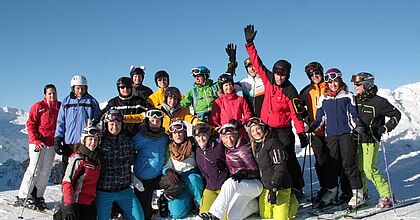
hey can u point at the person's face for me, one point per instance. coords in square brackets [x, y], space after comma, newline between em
[155, 122]
[229, 140]
[279, 79]
[202, 139]
[171, 101]
[178, 136]
[162, 82]
[251, 70]
[200, 80]
[80, 91]
[257, 132]
[114, 127]
[50, 94]
[137, 79]
[358, 88]
[316, 77]
[334, 85]
[228, 88]
[91, 142]
[125, 90]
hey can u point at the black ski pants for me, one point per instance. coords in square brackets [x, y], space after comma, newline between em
[145, 197]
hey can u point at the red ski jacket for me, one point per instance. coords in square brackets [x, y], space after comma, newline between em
[229, 106]
[280, 102]
[80, 179]
[42, 121]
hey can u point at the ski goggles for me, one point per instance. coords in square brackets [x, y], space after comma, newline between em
[225, 78]
[114, 117]
[155, 113]
[252, 121]
[201, 128]
[280, 71]
[228, 130]
[197, 72]
[177, 127]
[92, 131]
[331, 77]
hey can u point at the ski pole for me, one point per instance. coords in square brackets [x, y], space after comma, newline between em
[303, 165]
[310, 167]
[389, 178]
[32, 180]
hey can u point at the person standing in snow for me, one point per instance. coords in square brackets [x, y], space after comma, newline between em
[76, 109]
[337, 110]
[137, 75]
[276, 200]
[40, 125]
[372, 112]
[117, 156]
[181, 168]
[81, 177]
[203, 94]
[280, 107]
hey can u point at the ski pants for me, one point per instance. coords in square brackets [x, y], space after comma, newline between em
[126, 199]
[145, 197]
[207, 199]
[285, 208]
[343, 151]
[237, 199]
[368, 153]
[287, 137]
[38, 171]
[180, 206]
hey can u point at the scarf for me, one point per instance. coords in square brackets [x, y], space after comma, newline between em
[367, 94]
[182, 151]
[94, 155]
[171, 111]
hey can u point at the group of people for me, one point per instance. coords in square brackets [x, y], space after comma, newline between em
[240, 159]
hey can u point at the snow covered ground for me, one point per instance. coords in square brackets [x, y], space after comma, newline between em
[402, 150]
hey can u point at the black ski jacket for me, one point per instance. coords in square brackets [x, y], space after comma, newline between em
[372, 111]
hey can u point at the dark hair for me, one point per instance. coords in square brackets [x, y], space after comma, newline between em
[49, 86]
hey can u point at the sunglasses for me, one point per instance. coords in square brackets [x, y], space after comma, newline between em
[114, 117]
[252, 121]
[280, 71]
[125, 87]
[331, 77]
[357, 84]
[154, 114]
[311, 73]
[176, 127]
[162, 80]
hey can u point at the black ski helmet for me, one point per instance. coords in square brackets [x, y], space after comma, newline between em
[137, 71]
[124, 81]
[161, 73]
[366, 79]
[283, 64]
[173, 92]
[225, 78]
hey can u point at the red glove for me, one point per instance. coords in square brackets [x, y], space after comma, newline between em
[38, 144]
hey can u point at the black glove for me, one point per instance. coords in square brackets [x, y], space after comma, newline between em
[95, 121]
[272, 197]
[240, 175]
[58, 146]
[71, 212]
[249, 33]
[382, 130]
[303, 140]
[231, 52]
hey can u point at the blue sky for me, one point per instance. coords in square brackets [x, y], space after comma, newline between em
[50, 41]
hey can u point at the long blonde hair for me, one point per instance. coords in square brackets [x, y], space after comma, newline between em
[253, 141]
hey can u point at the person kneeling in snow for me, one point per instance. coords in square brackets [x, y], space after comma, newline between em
[237, 197]
[81, 177]
[181, 169]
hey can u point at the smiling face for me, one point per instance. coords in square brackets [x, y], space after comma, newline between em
[227, 88]
[200, 79]
[229, 140]
[279, 79]
[358, 87]
[202, 139]
[162, 82]
[171, 101]
[125, 90]
[79, 91]
[251, 70]
[257, 132]
[137, 79]
[334, 84]
[155, 122]
[91, 142]
[51, 94]
[179, 136]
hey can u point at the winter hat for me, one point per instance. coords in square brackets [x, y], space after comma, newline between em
[161, 74]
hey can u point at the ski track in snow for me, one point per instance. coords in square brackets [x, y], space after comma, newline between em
[412, 178]
[403, 157]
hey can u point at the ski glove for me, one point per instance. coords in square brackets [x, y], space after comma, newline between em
[38, 145]
[382, 130]
[249, 33]
[172, 176]
[237, 123]
[303, 140]
[240, 175]
[58, 146]
[231, 52]
[71, 212]
[272, 197]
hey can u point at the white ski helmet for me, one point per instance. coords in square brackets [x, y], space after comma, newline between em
[78, 80]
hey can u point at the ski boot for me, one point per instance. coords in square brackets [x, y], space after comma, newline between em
[384, 202]
[40, 203]
[329, 198]
[357, 200]
[27, 203]
[208, 216]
